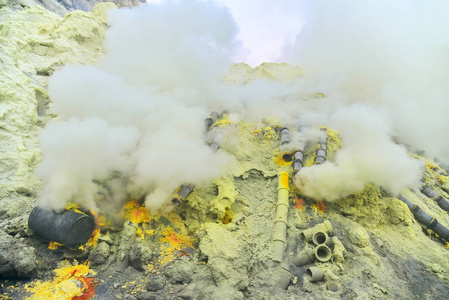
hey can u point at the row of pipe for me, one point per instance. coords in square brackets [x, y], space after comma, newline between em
[426, 220]
[296, 155]
[319, 234]
[440, 200]
[280, 219]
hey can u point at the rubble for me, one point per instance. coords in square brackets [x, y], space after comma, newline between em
[16, 258]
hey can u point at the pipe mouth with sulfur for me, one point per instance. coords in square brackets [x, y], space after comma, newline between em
[287, 156]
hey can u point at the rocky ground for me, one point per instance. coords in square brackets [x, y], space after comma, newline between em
[217, 243]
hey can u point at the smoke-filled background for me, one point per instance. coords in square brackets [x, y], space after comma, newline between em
[137, 119]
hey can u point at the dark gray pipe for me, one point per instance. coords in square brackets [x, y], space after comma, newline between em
[443, 203]
[321, 152]
[284, 136]
[211, 119]
[426, 220]
[299, 155]
[407, 202]
[442, 231]
[70, 228]
[421, 216]
[320, 160]
[208, 122]
[183, 192]
[298, 161]
[426, 190]
[297, 166]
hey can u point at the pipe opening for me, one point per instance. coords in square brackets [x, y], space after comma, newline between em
[322, 253]
[320, 238]
[316, 273]
[287, 157]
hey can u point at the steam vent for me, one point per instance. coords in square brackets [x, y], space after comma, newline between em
[224, 150]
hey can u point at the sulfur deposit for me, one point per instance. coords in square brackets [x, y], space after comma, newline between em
[217, 242]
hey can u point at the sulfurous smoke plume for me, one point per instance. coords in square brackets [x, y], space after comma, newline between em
[134, 122]
[139, 114]
[369, 155]
[384, 64]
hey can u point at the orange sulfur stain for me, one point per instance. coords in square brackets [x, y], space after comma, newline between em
[69, 283]
[299, 202]
[89, 285]
[280, 161]
[136, 212]
[321, 206]
[172, 243]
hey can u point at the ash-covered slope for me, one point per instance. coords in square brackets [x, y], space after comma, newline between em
[217, 243]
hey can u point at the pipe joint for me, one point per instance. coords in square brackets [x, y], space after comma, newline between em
[443, 203]
[426, 190]
[316, 273]
[322, 253]
[326, 226]
[322, 238]
[303, 258]
[320, 160]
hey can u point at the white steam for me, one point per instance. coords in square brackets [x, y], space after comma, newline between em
[368, 156]
[392, 55]
[140, 113]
